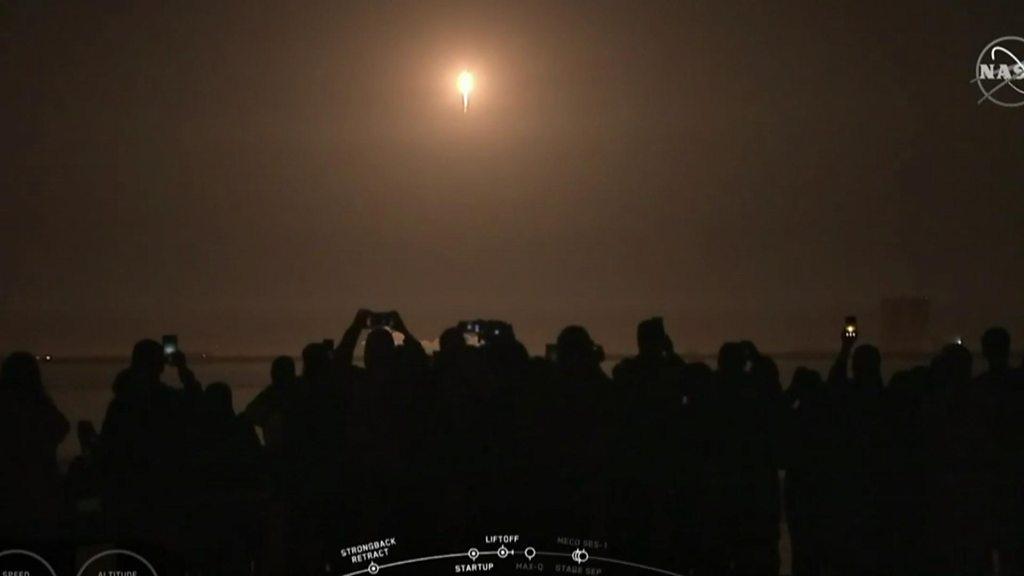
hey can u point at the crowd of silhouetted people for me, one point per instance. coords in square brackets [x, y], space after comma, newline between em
[676, 463]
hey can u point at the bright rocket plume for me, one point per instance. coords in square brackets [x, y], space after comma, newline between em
[465, 87]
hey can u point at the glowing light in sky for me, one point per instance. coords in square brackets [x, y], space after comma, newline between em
[465, 87]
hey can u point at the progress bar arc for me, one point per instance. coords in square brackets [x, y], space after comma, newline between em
[547, 553]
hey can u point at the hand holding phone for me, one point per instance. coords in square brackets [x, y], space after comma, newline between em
[177, 359]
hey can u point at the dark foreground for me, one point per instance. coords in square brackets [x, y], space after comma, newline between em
[670, 461]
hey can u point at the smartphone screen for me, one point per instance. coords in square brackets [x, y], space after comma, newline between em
[170, 342]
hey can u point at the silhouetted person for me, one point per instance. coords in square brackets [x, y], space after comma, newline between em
[507, 360]
[273, 410]
[143, 445]
[448, 359]
[313, 482]
[568, 425]
[903, 474]
[740, 486]
[651, 436]
[809, 446]
[229, 440]
[31, 428]
[1006, 504]
[959, 458]
[856, 405]
[268, 409]
[1009, 513]
[384, 361]
[225, 465]
[579, 358]
[656, 356]
[314, 423]
[688, 443]
[386, 424]
[453, 410]
[480, 375]
[145, 422]
[995, 347]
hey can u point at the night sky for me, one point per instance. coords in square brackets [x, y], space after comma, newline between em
[248, 174]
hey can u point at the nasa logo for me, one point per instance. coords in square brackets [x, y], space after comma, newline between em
[999, 72]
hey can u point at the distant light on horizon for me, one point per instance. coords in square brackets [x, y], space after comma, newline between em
[465, 84]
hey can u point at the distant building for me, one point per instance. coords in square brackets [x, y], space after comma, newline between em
[905, 324]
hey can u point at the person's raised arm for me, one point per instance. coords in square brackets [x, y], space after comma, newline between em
[838, 372]
[186, 376]
[346, 349]
[192, 389]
